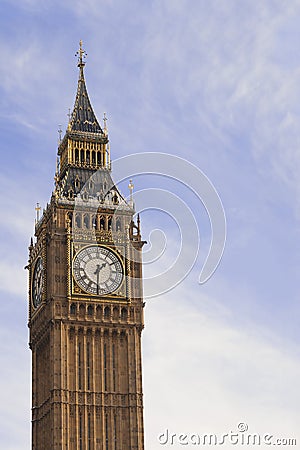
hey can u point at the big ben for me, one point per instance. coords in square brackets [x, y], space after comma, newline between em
[85, 299]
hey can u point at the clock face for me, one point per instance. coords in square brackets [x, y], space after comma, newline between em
[97, 270]
[37, 282]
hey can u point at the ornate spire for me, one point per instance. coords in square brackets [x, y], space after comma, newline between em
[83, 117]
[81, 57]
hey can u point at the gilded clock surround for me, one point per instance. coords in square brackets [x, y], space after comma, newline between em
[78, 285]
[86, 348]
[37, 282]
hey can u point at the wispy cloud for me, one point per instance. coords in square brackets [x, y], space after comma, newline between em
[218, 376]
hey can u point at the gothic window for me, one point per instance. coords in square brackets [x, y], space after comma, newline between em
[70, 194]
[98, 158]
[82, 310]
[77, 182]
[73, 309]
[106, 433]
[105, 365]
[91, 185]
[86, 221]
[82, 156]
[124, 313]
[102, 223]
[115, 312]
[76, 156]
[98, 311]
[90, 310]
[115, 432]
[114, 366]
[93, 158]
[118, 225]
[79, 356]
[85, 195]
[109, 222]
[106, 312]
[131, 313]
[78, 221]
[88, 157]
[115, 199]
[94, 222]
[89, 433]
[88, 366]
[80, 432]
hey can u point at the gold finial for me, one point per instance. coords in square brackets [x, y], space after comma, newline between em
[131, 186]
[81, 55]
[105, 124]
[69, 119]
[37, 208]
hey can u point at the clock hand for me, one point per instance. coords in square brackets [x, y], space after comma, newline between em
[97, 272]
[99, 267]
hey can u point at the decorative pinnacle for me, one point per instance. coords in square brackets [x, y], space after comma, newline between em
[81, 55]
[131, 186]
[105, 124]
[59, 133]
[37, 209]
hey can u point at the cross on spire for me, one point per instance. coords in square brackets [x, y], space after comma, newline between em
[81, 55]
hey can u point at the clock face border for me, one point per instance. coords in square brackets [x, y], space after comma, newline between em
[91, 264]
[37, 282]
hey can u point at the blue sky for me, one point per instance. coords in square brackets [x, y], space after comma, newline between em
[216, 83]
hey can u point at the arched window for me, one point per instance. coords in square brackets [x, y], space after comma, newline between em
[115, 199]
[109, 223]
[106, 312]
[116, 312]
[94, 222]
[73, 309]
[70, 194]
[118, 225]
[82, 156]
[90, 432]
[93, 158]
[86, 221]
[76, 156]
[124, 313]
[82, 310]
[80, 431]
[99, 311]
[102, 223]
[90, 310]
[78, 221]
[98, 158]
[77, 183]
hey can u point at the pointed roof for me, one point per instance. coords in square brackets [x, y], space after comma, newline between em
[83, 117]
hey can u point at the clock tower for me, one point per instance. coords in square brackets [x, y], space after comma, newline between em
[85, 299]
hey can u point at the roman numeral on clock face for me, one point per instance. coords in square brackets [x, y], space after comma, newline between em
[97, 270]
